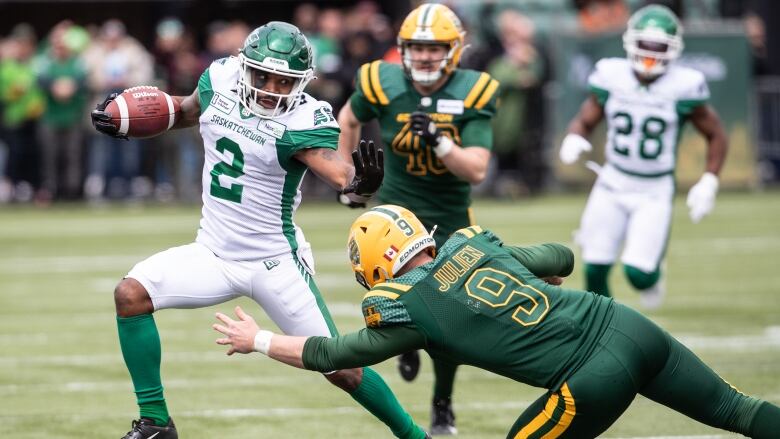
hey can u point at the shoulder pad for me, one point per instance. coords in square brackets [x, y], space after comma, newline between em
[380, 82]
[381, 307]
[479, 90]
[470, 232]
[312, 114]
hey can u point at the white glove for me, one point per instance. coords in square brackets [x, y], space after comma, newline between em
[573, 145]
[701, 197]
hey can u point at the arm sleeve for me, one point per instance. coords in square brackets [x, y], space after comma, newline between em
[362, 348]
[696, 93]
[478, 132]
[545, 260]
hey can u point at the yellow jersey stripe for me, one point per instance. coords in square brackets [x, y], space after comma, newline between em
[540, 419]
[392, 285]
[476, 229]
[380, 95]
[475, 91]
[568, 414]
[489, 91]
[466, 232]
[377, 293]
[365, 85]
[471, 216]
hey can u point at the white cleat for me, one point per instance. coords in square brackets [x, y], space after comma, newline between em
[653, 297]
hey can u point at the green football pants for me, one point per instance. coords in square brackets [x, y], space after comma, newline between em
[636, 356]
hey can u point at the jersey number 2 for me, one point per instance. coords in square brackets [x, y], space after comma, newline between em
[498, 289]
[234, 169]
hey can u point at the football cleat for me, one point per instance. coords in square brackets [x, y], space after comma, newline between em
[652, 298]
[442, 418]
[409, 365]
[145, 428]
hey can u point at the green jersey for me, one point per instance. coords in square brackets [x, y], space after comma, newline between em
[414, 177]
[484, 304]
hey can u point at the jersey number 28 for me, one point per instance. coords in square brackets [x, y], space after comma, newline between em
[651, 143]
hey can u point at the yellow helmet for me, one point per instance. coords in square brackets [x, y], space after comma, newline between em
[431, 23]
[383, 240]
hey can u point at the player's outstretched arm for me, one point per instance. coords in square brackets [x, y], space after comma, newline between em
[245, 336]
[189, 110]
[363, 348]
[350, 131]
[576, 142]
[701, 197]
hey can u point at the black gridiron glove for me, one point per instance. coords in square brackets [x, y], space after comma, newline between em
[423, 126]
[101, 120]
[369, 169]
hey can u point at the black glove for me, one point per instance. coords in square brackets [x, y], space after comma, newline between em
[369, 169]
[101, 120]
[423, 126]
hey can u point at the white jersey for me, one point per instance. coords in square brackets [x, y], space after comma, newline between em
[250, 178]
[644, 122]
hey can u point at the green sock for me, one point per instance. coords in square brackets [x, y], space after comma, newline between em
[596, 278]
[444, 378]
[140, 343]
[374, 395]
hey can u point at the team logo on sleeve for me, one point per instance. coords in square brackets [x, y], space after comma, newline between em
[390, 253]
[372, 317]
[323, 115]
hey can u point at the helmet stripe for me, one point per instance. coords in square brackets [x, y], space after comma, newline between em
[422, 18]
[376, 85]
[365, 85]
[489, 91]
[476, 90]
[387, 212]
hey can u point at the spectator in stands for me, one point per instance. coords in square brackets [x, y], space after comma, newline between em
[23, 103]
[115, 61]
[601, 15]
[62, 77]
[177, 158]
[518, 127]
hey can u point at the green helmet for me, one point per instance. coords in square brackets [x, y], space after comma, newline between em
[652, 40]
[278, 48]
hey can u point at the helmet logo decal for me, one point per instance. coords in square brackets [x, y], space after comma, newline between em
[354, 252]
[390, 253]
[275, 62]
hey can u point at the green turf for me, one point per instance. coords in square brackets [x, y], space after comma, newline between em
[62, 375]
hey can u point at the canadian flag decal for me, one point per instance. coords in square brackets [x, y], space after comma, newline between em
[392, 251]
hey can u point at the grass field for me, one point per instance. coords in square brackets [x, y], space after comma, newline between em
[62, 374]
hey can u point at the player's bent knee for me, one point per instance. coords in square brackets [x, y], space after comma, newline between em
[347, 379]
[132, 299]
[641, 280]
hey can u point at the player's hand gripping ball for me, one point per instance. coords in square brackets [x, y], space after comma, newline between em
[142, 111]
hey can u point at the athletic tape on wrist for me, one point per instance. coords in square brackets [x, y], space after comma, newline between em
[263, 341]
[444, 147]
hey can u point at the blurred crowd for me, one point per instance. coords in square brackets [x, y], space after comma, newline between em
[49, 83]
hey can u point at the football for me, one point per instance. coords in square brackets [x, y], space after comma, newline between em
[143, 111]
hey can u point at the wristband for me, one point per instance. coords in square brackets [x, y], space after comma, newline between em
[444, 147]
[263, 341]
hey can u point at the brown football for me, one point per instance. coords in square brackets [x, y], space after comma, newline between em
[143, 111]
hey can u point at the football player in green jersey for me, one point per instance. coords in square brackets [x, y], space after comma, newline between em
[499, 307]
[645, 99]
[261, 133]
[435, 121]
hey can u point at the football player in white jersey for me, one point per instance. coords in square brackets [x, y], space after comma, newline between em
[645, 100]
[261, 133]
